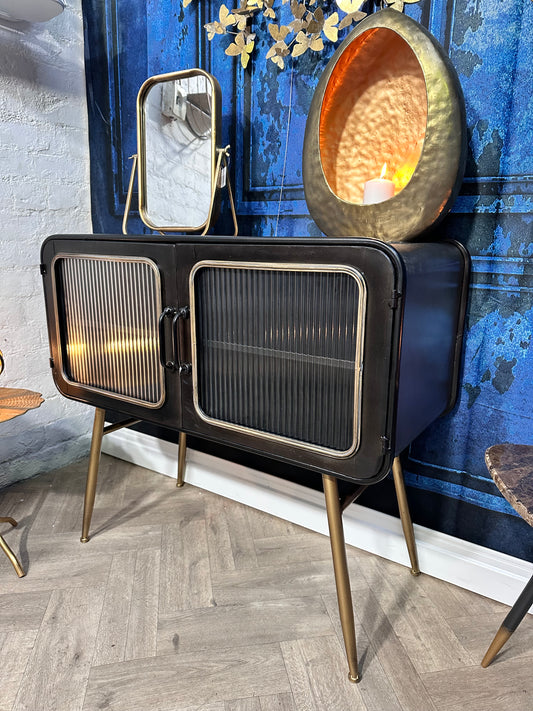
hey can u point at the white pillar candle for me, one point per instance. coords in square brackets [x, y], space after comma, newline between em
[378, 189]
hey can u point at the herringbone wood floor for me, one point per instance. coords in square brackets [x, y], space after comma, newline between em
[184, 601]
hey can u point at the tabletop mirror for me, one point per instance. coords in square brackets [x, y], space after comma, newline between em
[179, 163]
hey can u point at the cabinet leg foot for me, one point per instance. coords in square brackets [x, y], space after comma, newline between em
[342, 578]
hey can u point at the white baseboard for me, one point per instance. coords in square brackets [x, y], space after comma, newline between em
[470, 566]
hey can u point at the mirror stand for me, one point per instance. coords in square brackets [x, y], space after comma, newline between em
[219, 180]
[127, 206]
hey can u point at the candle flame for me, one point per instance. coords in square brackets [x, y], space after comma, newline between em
[383, 171]
[404, 172]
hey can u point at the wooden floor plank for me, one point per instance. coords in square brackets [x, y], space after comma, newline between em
[110, 645]
[311, 578]
[318, 677]
[170, 683]
[218, 534]
[22, 610]
[242, 542]
[58, 573]
[300, 547]
[450, 599]
[263, 525]
[143, 614]
[15, 650]
[500, 686]
[185, 574]
[393, 657]
[252, 703]
[58, 668]
[277, 702]
[375, 686]
[475, 632]
[411, 613]
[262, 622]
[139, 509]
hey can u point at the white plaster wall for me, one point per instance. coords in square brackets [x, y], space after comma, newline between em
[44, 189]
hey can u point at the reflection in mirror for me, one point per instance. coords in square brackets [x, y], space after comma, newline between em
[178, 119]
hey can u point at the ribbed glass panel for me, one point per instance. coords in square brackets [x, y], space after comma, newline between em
[277, 350]
[110, 309]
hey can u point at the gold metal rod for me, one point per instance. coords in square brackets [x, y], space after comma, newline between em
[92, 473]
[12, 557]
[127, 206]
[220, 152]
[119, 425]
[350, 498]
[8, 519]
[181, 459]
[342, 578]
[231, 201]
[405, 515]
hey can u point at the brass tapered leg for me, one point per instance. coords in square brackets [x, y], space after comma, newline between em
[181, 459]
[92, 473]
[342, 578]
[405, 516]
[7, 550]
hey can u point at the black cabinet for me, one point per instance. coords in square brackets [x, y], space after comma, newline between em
[333, 354]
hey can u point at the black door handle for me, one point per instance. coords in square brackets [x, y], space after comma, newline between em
[168, 312]
[178, 336]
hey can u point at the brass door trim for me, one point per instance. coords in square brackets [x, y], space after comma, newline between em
[360, 326]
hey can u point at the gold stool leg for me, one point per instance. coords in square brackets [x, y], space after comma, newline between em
[92, 473]
[7, 550]
[342, 578]
[405, 516]
[8, 519]
[181, 459]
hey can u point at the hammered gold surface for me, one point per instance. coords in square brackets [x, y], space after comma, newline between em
[372, 100]
[373, 117]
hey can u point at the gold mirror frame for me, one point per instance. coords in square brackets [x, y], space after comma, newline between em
[435, 182]
[218, 173]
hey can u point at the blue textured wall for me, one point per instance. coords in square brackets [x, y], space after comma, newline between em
[264, 113]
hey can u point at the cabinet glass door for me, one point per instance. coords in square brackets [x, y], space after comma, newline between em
[277, 351]
[108, 310]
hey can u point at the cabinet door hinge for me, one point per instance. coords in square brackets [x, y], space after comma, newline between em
[385, 445]
[395, 299]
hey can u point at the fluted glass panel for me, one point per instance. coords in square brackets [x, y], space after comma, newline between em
[277, 351]
[109, 309]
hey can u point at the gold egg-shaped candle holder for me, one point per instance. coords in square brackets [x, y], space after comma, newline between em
[388, 110]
